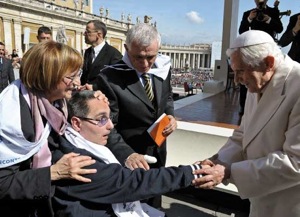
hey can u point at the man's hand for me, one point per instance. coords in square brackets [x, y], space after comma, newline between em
[212, 176]
[267, 18]
[100, 96]
[214, 172]
[70, 166]
[136, 160]
[207, 162]
[252, 14]
[170, 127]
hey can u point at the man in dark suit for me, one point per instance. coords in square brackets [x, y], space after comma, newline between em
[90, 124]
[6, 70]
[134, 110]
[262, 18]
[99, 54]
[292, 35]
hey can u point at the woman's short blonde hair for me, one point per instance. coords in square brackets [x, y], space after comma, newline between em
[45, 64]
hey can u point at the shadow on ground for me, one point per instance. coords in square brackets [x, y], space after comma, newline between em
[182, 210]
[177, 96]
[205, 203]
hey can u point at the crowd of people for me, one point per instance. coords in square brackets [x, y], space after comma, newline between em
[78, 144]
[194, 77]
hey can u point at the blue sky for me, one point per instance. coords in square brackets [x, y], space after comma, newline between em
[185, 22]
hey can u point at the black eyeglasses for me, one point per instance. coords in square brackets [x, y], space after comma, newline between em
[100, 122]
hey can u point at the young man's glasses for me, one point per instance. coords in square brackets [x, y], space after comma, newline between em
[100, 122]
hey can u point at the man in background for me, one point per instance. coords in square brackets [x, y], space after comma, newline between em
[262, 18]
[6, 70]
[99, 54]
[291, 35]
[44, 34]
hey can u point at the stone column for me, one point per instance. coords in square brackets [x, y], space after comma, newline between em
[84, 46]
[78, 43]
[7, 34]
[208, 60]
[18, 36]
[193, 60]
[203, 60]
[54, 33]
[173, 59]
[189, 59]
[230, 25]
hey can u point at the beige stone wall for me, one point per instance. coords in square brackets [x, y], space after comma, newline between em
[15, 15]
[71, 4]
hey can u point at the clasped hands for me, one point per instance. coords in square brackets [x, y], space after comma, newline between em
[213, 172]
[253, 14]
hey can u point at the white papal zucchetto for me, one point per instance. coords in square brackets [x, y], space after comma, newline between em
[252, 37]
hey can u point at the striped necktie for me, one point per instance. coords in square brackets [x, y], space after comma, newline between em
[148, 86]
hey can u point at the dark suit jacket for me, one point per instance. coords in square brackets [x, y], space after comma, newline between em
[107, 56]
[112, 184]
[6, 73]
[288, 37]
[24, 191]
[275, 26]
[133, 112]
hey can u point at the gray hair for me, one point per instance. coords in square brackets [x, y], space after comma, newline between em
[77, 105]
[143, 34]
[254, 55]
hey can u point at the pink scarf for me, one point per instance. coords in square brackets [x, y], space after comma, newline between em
[40, 106]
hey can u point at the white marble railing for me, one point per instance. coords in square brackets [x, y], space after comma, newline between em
[192, 142]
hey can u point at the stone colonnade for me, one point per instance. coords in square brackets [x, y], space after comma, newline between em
[191, 60]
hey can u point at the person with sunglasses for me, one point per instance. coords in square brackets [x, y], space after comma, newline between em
[30, 108]
[100, 53]
[114, 190]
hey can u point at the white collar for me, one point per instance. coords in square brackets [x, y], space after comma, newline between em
[162, 63]
[99, 150]
[98, 48]
[120, 209]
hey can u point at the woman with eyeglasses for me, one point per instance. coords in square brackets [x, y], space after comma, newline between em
[31, 108]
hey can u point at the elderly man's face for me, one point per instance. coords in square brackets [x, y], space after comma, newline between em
[142, 58]
[254, 79]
